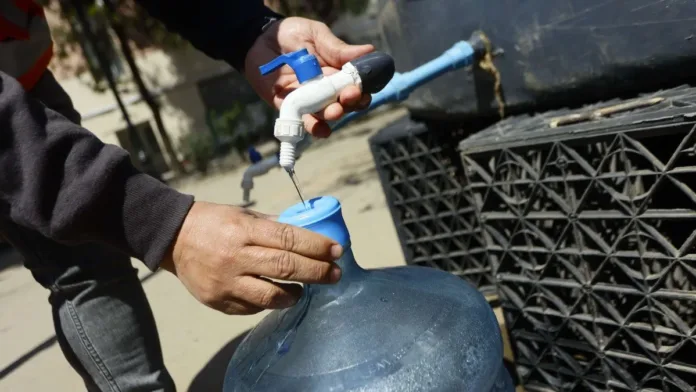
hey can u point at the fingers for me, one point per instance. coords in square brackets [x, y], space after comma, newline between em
[288, 266]
[266, 294]
[364, 102]
[318, 128]
[351, 99]
[269, 234]
[334, 51]
[332, 112]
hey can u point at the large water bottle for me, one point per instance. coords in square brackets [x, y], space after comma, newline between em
[399, 329]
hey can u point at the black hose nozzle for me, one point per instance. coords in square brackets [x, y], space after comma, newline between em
[376, 69]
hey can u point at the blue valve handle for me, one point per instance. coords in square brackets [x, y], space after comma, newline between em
[305, 65]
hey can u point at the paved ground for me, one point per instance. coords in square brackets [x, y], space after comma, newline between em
[197, 340]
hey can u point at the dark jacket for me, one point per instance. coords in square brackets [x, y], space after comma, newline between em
[59, 179]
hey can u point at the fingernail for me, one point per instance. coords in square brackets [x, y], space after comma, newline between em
[336, 251]
[335, 273]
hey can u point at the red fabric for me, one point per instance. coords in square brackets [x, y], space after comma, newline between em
[30, 7]
[11, 30]
[29, 79]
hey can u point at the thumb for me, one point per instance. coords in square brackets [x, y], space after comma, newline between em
[336, 52]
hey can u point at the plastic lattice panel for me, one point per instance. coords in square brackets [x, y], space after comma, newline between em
[590, 230]
[421, 176]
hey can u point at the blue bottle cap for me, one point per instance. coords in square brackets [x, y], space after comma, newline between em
[321, 215]
[305, 65]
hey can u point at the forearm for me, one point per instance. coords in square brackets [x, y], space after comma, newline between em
[222, 29]
[59, 179]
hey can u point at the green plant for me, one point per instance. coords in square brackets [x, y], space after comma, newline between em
[197, 147]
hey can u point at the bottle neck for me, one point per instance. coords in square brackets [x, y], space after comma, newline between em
[349, 266]
[351, 272]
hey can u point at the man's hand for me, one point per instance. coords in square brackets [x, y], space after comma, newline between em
[226, 257]
[293, 34]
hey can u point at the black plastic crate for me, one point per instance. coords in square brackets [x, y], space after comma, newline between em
[421, 175]
[590, 231]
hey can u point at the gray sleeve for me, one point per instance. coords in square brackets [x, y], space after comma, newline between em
[59, 179]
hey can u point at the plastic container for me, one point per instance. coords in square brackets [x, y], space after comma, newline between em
[556, 53]
[588, 217]
[399, 329]
[422, 178]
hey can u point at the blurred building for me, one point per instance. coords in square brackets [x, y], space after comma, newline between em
[196, 93]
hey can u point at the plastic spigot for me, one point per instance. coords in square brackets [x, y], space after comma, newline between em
[305, 65]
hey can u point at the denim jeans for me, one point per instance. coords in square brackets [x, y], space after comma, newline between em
[103, 321]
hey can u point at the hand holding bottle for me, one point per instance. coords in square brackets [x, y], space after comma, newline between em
[226, 257]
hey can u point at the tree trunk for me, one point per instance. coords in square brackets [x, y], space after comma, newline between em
[142, 88]
[91, 37]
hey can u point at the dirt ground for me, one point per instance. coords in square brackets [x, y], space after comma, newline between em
[196, 340]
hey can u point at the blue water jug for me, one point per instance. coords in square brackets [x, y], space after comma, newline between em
[398, 329]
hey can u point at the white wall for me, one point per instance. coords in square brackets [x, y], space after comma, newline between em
[173, 74]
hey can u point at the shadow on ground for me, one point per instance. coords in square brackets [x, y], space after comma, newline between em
[211, 377]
